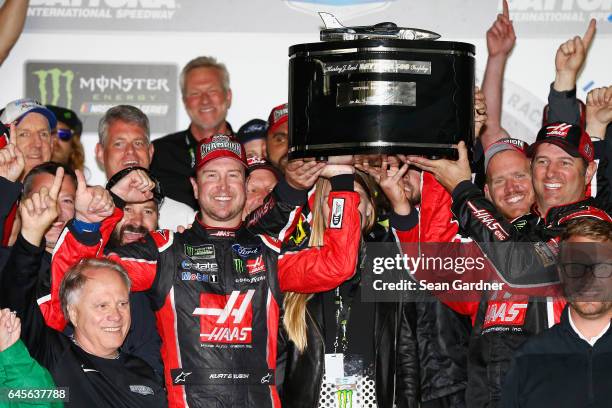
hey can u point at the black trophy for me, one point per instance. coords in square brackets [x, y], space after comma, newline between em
[379, 89]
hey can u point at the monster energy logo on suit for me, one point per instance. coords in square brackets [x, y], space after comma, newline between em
[206, 251]
[239, 265]
[345, 398]
[90, 89]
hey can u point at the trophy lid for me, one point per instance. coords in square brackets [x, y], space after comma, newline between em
[335, 31]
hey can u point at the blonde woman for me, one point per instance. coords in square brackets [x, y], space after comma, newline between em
[335, 334]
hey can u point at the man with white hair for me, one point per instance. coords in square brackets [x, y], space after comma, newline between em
[207, 98]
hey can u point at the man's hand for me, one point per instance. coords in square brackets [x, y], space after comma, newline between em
[389, 177]
[599, 111]
[302, 175]
[92, 204]
[501, 37]
[375, 160]
[570, 58]
[337, 165]
[10, 329]
[40, 210]
[135, 187]
[181, 228]
[480, 111]
[347, 159]
[12, 162]
[448, 172]
[332, 170]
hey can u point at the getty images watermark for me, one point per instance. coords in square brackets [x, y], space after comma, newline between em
[465, 272]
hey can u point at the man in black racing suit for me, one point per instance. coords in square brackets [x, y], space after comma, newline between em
[522, 251]
[217, 286]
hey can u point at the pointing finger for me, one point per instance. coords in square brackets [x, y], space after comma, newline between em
[590, 33]
[57, 183]
[13, 134]
[81, 183]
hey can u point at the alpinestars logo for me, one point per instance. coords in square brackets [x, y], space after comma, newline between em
[226, 319]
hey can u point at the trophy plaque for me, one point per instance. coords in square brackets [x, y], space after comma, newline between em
[379, 89]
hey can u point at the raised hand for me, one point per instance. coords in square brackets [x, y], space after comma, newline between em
[12, 162]
[389, 177]
[135, 187]
[599, 111]
[92, 204]
[40, 210]
[501, 37]
[302, 174]
[10, 329]
[181, 228]
[448, 172]
[480, 111]
[570, 58]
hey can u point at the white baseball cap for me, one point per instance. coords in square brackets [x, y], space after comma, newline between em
[16, 110]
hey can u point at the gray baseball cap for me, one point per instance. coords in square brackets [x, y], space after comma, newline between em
[507, 143]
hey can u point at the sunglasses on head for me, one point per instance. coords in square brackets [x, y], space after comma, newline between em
[64, 134]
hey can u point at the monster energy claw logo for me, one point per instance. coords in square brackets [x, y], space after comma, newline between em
[55, 75]
[239, 265]
[345, 398]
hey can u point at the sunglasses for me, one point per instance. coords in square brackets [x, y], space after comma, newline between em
[64, 134]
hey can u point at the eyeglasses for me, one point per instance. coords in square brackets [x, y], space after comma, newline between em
[578, 270]
[64, 134]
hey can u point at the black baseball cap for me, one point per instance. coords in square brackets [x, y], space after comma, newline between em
[67, 116]
[253, 129]
[571, 138]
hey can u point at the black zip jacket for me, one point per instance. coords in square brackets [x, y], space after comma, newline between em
[559, 369]
[92, 381]
[395, 348]
[28, 270]
[9, 191]
[396, 361]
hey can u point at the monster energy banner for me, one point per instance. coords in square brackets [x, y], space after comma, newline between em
[453, 18]
[91, 89]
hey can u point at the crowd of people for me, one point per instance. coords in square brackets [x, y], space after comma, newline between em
[212, 271]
